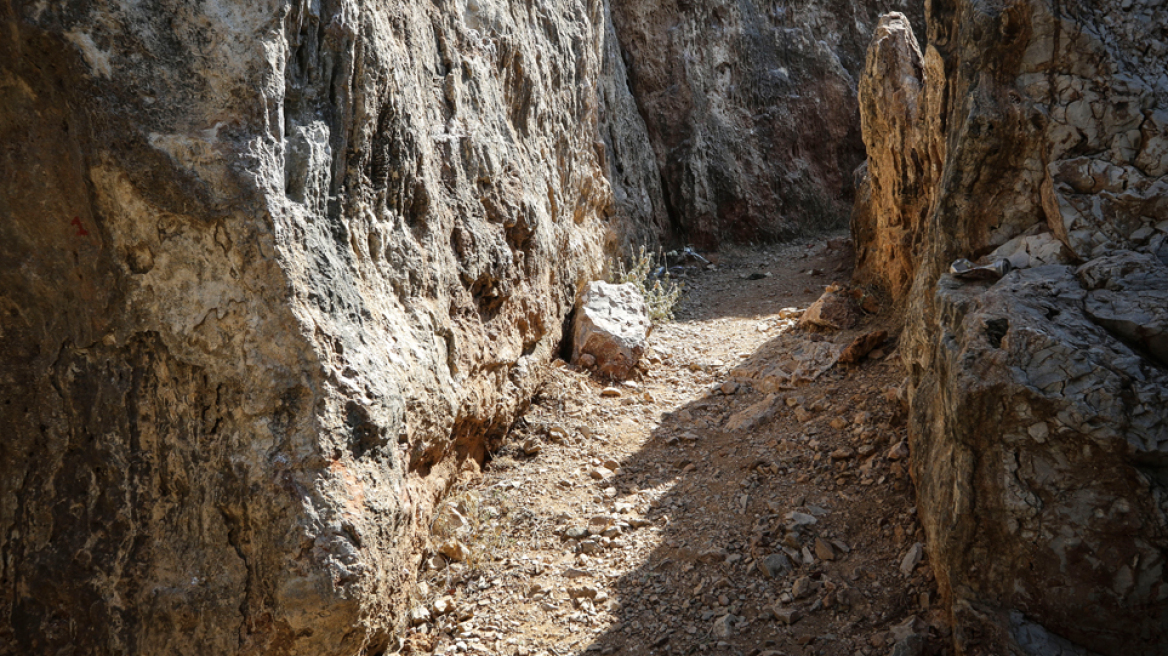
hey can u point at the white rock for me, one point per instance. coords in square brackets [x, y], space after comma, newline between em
[912, 559]
[611, 325]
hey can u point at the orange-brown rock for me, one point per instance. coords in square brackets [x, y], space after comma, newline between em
[898, 117]
[862, 346]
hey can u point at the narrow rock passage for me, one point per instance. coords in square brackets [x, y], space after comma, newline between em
[708, 507]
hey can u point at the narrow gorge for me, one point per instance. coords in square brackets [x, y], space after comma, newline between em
[287, 283]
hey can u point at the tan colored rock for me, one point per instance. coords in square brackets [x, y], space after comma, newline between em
[454, 550]
[904, 157]
[834, 310]
[823, 550]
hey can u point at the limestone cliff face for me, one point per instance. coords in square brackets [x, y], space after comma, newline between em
[271, 273]
[751, 108]
[1038, 424]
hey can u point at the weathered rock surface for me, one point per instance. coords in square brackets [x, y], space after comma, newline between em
[751, 108]
[1038, 432]
[611, 325]
[271, 273]
[894, 185]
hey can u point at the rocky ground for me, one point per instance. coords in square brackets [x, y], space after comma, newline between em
[742, 495]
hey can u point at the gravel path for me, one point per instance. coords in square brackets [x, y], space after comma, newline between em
[703, 508]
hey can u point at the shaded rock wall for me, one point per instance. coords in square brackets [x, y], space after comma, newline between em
[751, 109]
[1038, 424]
[271, 273]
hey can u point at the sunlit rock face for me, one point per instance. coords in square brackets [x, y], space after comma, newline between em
[272, 273]
[1032, 130]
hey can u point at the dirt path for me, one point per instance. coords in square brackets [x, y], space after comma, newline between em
[645, 523]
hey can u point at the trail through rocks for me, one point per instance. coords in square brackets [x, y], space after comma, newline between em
[745, 494]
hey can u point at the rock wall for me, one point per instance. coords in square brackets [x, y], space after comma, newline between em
[1032, 129]
[751, 109]
[272, 272]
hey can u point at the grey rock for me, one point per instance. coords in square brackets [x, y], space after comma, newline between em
[775, 565]
[728, 89]
[912, 558]
[910, 645]
[723, 626]
[1128, 295]
[1031, 420]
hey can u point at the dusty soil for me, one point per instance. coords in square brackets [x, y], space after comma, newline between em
[642, 522]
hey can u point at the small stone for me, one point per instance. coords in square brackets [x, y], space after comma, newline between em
[532, 447]
[600, 522]
[576, 533]
[786, 615]
[583, 592]
[802, 588]
[823, 550]
[724, 626]
[713, 555]
[600, 473]
[435, 563]
[912, 559]
[774, 565]
[454, 550]
[419, 615]
[444, 605]
[899, 451]
[586, 361]
[729, 387]
[1039, 432]
[843, 453]
[861, 346]
[910, 645]
[801, 519]
[589, 547]
[839, 423]
[610, 392]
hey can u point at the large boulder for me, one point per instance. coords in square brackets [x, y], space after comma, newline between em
[1031, 130]
[272, 273]
[610, 329]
